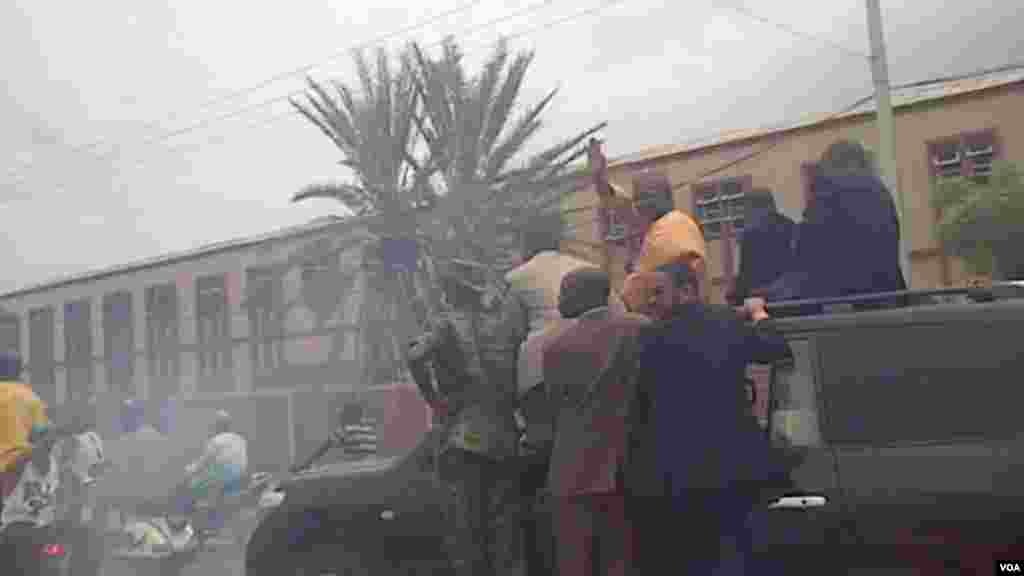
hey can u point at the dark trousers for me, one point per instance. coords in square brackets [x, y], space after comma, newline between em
[488, 508]
[718, 532]
[538, 537]
[595, 535]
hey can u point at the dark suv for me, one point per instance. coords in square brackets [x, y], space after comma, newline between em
[371, 516]
[908, 442]
[902, 425]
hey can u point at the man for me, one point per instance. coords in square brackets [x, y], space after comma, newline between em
[672, 236]
[766, 247]
[474, 395]
[21, 412]
[588, 370]
[220, 471]
[848, 242]
[709, 449]
[531, 304]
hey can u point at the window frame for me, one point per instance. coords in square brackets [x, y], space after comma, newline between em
[960, 141]
[43, 371]
[213, 328]
[12, 319]
[163, 338]
[709, 228]
[264, 311]
[79, 356]
[109, 323]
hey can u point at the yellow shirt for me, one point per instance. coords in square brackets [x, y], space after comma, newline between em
[675, 237]
[21, 410]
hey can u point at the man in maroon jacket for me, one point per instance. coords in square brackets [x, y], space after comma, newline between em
[588, 369]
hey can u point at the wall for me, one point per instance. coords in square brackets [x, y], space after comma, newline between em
[304, 345]
[282, 420]
[779, 169]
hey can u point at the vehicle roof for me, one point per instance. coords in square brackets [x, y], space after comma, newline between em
[351, 468]
[920, 314]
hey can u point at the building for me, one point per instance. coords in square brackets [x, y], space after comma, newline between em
[269, 326]
[944, 128]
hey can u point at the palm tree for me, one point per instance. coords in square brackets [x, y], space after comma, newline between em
[432, 136]
[983, 222]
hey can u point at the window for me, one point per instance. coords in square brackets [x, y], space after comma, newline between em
[119, 343]
[794, 415]
[265, 308]
[78, 359]
[213, 329]
[10, 333]
[41, 364]
[319, 274]
[162, 340]
[718, 202]
[966, 155]
[926, 383]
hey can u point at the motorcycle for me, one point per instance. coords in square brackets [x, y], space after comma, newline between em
[38, 535]
[159, 540]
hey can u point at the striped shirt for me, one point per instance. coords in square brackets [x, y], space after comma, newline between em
[358, 440]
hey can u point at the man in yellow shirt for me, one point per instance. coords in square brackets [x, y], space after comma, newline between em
[672, 236]
[21, 412]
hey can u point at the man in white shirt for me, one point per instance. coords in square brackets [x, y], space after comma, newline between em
[224, 463]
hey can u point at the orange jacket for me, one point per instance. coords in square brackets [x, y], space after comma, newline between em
[21, 410]
[674, 237]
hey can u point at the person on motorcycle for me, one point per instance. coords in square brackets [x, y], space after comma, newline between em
[220, 471]
[28, 476]
[22, 414]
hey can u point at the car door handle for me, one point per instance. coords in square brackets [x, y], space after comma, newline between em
[798, 502]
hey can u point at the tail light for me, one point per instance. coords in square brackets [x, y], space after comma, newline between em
[53, 550]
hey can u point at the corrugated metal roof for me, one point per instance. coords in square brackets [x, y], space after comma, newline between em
[902, 96]
[317, 225]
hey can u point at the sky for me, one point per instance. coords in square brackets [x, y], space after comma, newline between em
[131, 129]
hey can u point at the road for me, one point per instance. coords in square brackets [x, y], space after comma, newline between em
[224, 559]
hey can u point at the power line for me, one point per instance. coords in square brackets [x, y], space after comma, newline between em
[281, 98]
[794, 32]
[169, 134]
[235, 94]
[778, 140]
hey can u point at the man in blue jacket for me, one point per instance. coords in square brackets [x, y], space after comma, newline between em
[848, 242]
[710, 451]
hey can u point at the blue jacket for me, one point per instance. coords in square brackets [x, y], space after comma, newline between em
[695, 365]
[848, 242]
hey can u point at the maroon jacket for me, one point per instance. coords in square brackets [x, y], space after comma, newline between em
[589, 372]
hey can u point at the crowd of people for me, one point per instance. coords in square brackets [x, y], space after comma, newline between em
[622, 411]
[633, 408]
[145, 471]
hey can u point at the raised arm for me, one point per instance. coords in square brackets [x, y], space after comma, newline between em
[764, 344]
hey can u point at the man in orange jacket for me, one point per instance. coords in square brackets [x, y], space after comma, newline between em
[672, 236]
[21, 412]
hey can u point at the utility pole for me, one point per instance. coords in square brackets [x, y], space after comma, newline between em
[886, 156]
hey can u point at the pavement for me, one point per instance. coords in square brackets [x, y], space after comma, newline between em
[224, 557]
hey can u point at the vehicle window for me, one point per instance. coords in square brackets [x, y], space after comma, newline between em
[794, 416]
[923, 383]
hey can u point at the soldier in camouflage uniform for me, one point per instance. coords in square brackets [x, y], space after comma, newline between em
[473, 386]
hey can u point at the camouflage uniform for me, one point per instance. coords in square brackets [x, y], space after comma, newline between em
[480, 455]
